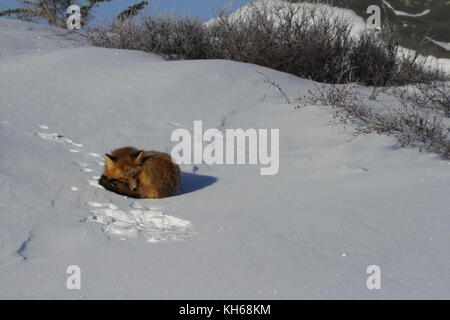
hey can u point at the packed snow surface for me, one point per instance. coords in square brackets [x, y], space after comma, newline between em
[337, 206]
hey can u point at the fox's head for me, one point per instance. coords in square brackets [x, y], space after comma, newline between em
[125, 168]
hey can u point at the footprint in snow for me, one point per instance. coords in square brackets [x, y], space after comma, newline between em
[338, 171]
[95, 184]
[95, 155]
[58, 138]
[148, 224]
[61, 139]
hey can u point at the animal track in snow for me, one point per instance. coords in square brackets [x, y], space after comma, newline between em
[95, 155]
[339, 171]
[93, 181]
[95, 184]
[351, 169]
[81, 164]
[58, 138]
[148, 224]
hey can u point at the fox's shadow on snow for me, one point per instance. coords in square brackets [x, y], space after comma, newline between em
[191, 182]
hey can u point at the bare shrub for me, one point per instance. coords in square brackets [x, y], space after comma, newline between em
[175, 37]
[276, 85]
[121, 34]
[409, 124]
[414, 70]
[167, 35]
[432, 95]
[425, 131]
[310, 42]
[305, 41]
[375, 61]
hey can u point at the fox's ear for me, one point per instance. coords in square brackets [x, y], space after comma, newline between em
[139, 157]
[109, 160]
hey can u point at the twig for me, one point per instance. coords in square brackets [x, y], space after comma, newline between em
[276, 85]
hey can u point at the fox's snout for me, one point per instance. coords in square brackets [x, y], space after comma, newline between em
[133, 185]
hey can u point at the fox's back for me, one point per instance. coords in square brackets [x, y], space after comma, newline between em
[160, 176]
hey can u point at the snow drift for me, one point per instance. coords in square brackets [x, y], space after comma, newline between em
[336, 206]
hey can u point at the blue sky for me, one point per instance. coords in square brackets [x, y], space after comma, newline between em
[202, 8]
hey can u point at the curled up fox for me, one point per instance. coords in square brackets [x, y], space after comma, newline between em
[140, 174]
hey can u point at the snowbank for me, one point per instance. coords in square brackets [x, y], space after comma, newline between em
[336, 207]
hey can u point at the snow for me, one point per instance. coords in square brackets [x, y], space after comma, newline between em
[337, 206]
[445, 45]
[149, 225]
[275, 7]
[406, 14]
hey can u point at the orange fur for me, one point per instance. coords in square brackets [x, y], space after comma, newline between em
[148, 174]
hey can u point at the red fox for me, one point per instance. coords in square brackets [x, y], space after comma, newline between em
[118, 186]
[146, 174]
